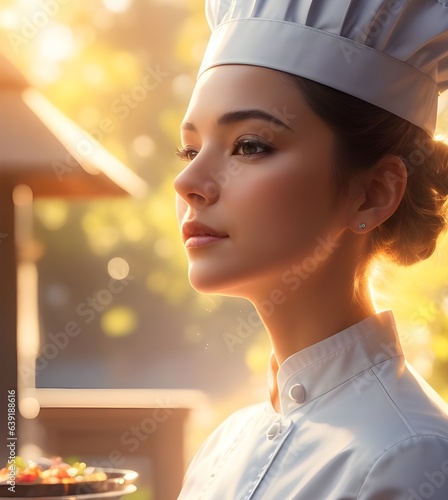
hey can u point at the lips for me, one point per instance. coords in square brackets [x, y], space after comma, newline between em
[197, 235]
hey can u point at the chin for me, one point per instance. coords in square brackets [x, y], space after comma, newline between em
[206, 285]
[217, 285]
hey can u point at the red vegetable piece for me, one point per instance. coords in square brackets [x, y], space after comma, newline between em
[59, 471]
[28, 476]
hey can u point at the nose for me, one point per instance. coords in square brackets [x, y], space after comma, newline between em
[197, 185]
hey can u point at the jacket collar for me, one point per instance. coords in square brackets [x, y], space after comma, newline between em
[320, 368]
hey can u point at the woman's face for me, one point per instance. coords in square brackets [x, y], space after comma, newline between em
[256, 196]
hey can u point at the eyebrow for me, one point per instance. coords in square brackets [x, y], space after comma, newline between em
[241, 115]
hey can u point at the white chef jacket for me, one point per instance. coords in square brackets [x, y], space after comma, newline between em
[356, 422]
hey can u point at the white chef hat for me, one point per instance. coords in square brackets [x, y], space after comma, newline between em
[390, 53]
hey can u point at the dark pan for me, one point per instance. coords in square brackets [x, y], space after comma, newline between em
[117, 480]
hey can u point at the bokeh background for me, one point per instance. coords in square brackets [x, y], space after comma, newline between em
[91, 59]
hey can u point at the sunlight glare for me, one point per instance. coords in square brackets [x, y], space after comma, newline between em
[376, 276]
[118, 268]
[56, 43]
[117, 6]
[45, 71]
[9, 20]
[423, 365]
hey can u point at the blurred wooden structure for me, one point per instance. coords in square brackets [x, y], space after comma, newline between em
[120, 426]
[42, 149]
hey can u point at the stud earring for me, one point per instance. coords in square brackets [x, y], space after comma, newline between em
[363, 225]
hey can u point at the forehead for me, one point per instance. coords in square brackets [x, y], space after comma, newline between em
[230, 87]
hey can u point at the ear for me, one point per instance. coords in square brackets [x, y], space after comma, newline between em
[383, 187]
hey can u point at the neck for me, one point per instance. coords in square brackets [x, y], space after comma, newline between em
[323, 304]
[314, 312]
[300, 324]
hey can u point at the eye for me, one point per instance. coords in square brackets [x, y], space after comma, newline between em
[186, 154]
[250, 147]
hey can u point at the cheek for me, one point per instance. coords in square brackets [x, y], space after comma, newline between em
[305, 190]
[288, 209]
[295, 211]
[301, 195]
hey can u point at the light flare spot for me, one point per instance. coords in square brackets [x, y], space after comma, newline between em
[120, 321]
[118, 268]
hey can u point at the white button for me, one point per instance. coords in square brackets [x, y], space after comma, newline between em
[297, 393]
[274, 430]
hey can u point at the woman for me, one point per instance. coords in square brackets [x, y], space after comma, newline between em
[302, 138]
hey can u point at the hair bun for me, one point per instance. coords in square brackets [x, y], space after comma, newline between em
[411, 234]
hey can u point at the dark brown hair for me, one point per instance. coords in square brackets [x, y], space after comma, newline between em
[364, 134]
